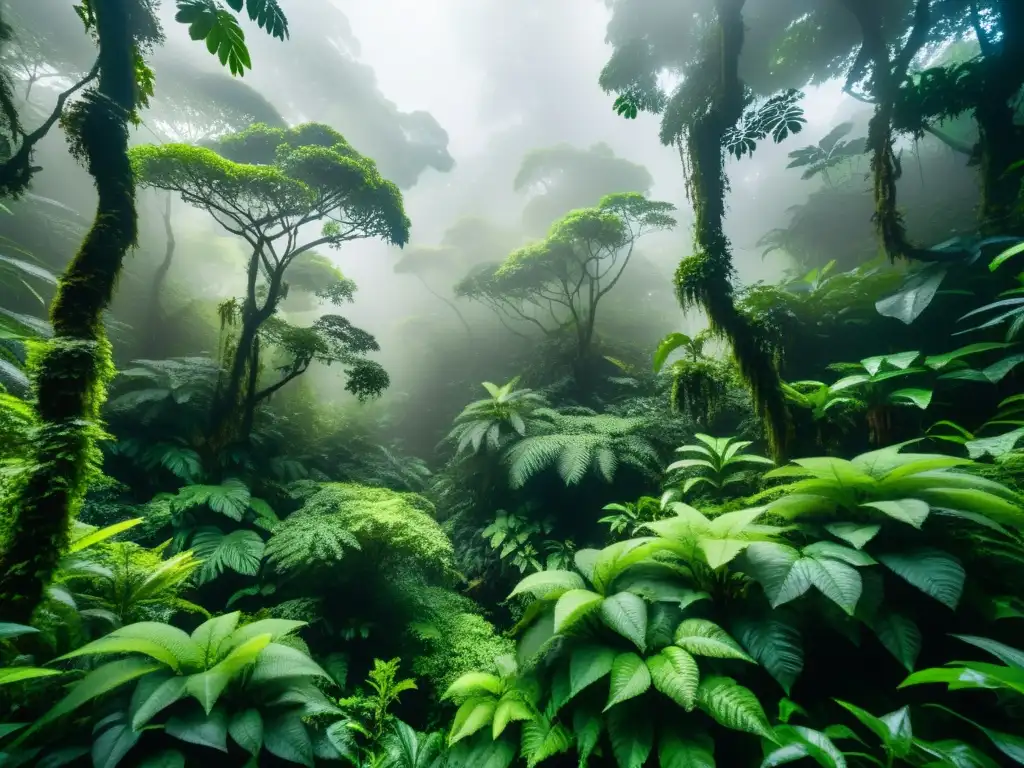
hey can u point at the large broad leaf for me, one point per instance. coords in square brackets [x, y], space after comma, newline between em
[935, 573]
[627, 615]
[588, 664]
[211, 634]
[246, 728]
[900, 636]
[100, 681]
[910, 511]
[631, 733]
[733, 706]
[197, 727]
[705, 638]
[154, 696]
[696, 750]
[509, 709]
[17, 674]
[286, 737]
[473, 684]
[113, 739]
[473, 715]
[542, 739]
[775, 645]
[574, 606]
[674, 673]
[855, 534]
[630, 678]
[1009, 744]
[548, 585]
[799, 742]
[207, 686]
[667, 346]
[1011, 656]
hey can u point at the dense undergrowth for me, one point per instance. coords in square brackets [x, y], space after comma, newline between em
[795, 537]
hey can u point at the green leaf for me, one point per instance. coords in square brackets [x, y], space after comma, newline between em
[473, 715]
[588, 664]
[246, 728]
[705, 638]
[197, 727]
[287, 738]
[113, 742]
[667, 346]
[872, 723]
[509, 708]
[799, 742]
[276, 628]
[548, 585]
[916, 396]
[1006, 654]
[586, 725]
[695, 751]
[901, 736]
[1005, 256]
[102, 534]
[630, 678]
[776, 646]
[935, 573]
[542, 739]
[937, 362]
[626, 614]
[833, 551]
[207, 686]
[675, 674]
[98, 682]
[574, 606]
[9, 630]
[631, 733]
[268, 16]
[733, 706]
[150, 699]
[900, 636]
[278, 661]
[17, 674]
[115, 643]
[854, 534]
[211, 634]
[910, 511]
[168, 758]
[473, 684]
[1010, 745]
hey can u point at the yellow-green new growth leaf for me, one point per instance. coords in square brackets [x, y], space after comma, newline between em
[701, 637]
[630, 678]
[510, 708]
[276, 628]
[674, 673]
[573, 607]
[473, 684]
[473, 715]
[17, 674]
[548, 585]
[207, 686]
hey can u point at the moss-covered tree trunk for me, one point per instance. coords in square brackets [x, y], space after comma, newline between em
[71, 371]
[705, 279]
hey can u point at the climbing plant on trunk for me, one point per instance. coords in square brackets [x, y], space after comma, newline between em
[72, 369]
[711, 114]
[268, 186]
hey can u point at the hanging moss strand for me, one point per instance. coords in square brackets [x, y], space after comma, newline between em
[71, 371]
[705, 279]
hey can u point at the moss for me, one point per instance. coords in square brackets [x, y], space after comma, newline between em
[71, 371]
[456, 637]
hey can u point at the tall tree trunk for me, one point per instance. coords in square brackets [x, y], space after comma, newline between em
[154, 323]
[705, 279]
[71, 371]
[1001, 140]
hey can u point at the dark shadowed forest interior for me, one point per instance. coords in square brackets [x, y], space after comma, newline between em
[512, 383]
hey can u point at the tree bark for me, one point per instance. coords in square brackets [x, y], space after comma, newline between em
[71, 371]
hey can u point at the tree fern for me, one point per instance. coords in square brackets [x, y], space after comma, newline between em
[577, 442]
